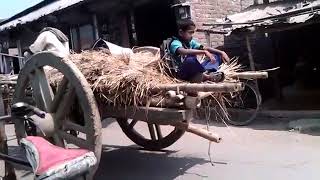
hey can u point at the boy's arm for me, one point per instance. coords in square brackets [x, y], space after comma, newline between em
[224, 55]
[184, 51]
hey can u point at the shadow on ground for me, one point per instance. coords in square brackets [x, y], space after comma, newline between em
[108, 121]
[128, 162]
[271, 124]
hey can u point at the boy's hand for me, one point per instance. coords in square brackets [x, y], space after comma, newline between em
[225, 57]
[210, 56]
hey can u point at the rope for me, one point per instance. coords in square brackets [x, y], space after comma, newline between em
[207, 114]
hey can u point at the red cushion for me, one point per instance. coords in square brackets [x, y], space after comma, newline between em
[51, 156]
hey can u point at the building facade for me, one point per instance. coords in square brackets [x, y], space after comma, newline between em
[127, 23]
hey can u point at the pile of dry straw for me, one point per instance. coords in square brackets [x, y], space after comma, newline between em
[124, 80]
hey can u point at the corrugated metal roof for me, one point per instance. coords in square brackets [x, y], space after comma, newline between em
[38, 13]
[270, 15]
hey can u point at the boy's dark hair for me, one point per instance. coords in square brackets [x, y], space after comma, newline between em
[185, 24]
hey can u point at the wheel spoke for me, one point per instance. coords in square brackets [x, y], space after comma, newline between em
[74, 140]
[152, 132]
[41, 89]
[132, 124]
[69, 125]
[159, 133]
[61, 90]
[65, 105]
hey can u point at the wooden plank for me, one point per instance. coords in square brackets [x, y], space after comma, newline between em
[151, 115]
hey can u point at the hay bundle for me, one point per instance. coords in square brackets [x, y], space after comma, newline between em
[120, 80]
[231, 68]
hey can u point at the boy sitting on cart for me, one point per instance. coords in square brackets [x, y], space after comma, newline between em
[185, 51]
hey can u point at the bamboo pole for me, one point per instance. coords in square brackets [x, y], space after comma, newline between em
[193, 87]
[203, 95]
[200, 132]
[249, 75]
[8, 55]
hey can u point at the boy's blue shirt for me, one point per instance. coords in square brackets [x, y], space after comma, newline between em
[176, 44]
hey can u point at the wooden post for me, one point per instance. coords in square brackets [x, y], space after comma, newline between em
[275, 77]
[208, 39]
[9, 171]
[95, 26]
[251, 60]
[20, 54]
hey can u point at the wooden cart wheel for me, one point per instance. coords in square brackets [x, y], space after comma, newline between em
[72, 92]
[154, 139]
[244, 107]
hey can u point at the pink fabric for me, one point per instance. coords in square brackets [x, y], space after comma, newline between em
[51, 156]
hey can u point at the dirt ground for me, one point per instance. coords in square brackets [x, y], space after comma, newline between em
[263, 150]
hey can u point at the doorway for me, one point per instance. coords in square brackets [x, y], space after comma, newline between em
[154, 22]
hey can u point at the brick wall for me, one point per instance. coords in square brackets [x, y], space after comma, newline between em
[207, 11]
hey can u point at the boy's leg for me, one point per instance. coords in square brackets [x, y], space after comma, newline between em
[212, 67]
[190, 68]
[213, 77]
[198, 78]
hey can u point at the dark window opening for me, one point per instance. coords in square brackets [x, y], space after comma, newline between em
[82, 37]
[16, 65]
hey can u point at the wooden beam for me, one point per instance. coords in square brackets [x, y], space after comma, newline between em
[194, 87]
[210, 31]
[251, 61]
[161, 116]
